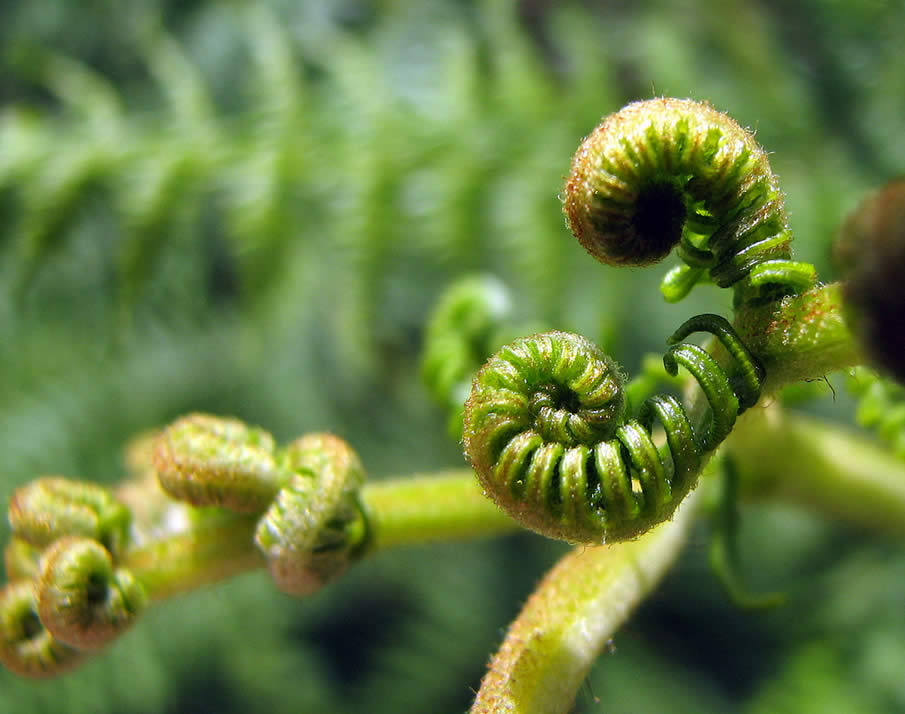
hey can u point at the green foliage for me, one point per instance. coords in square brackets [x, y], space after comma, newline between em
[251, 211]
[881, 407]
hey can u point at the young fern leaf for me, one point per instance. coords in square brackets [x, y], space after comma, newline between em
[673, 173]
[547, 434]
[472, 319]
[51, 507]
[881, 407]
[66, 595]
[83, 600]
[315, 526]
[459, 338]
[311, 523]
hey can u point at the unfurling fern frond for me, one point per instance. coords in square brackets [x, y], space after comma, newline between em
[668, 173]
[547, 433]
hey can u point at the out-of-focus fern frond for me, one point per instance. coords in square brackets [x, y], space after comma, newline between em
[358, 158]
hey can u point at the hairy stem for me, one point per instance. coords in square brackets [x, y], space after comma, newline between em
[213, 550]
[800, 337]
[404, 511]
[571, 616]
[448, 506]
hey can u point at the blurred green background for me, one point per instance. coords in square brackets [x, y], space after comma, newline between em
[251, 210]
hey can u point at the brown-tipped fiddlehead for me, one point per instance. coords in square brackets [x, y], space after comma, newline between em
[547, 434]
[211, 461]
[311, 524]
[670, 172]
[314, 527]
[67, 594]
[51, 507]
[82, 599]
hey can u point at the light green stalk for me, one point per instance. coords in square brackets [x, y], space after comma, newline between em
[571, 616]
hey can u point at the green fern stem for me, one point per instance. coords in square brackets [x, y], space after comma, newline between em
[430, 507]
[404, 511]
[570, 617]
[824, 468]
[219, 546]
[799, 337]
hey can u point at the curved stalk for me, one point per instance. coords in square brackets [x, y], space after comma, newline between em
[571, 616]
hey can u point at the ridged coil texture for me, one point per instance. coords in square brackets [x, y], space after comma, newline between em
[667, 172]
[547, 433]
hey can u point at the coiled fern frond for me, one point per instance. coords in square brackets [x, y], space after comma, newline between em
[547, 433]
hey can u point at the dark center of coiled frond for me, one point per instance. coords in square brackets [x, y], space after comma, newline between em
[558, 414]
[658, 219]
[561, 387]
[31, 626]
[96, 590]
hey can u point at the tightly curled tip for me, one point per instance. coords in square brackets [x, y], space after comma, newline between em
[536, 405]
[871, 255]
[81, 599]
[26, 647]
[212, 461]
[666, 172]
[51, 507]
[315, 525]
[547, 435]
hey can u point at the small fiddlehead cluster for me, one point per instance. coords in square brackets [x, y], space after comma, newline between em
[547, 433]
[670, 172]
[83, 562]
[69, 593]
[311, 523]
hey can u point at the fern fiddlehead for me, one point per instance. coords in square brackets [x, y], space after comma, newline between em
[78, 508]
[670, 172]
[311, 524]
[547, 434]
[82, 572]
[459, 333]
[83, 600]
[68, 592]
